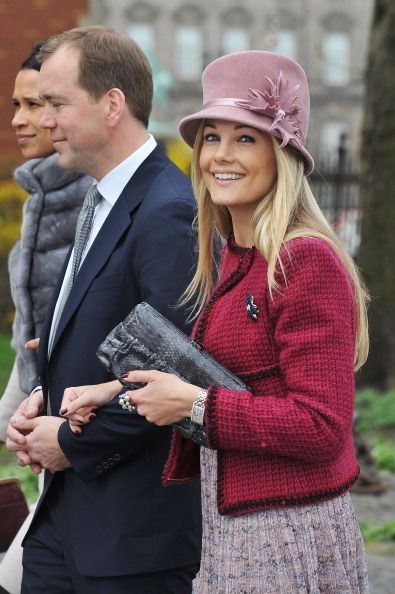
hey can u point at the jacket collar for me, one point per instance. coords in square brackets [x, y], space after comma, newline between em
[116, 224]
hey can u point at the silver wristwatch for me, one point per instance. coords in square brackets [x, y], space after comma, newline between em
[197, 412]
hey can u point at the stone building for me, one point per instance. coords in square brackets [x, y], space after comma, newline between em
[328, 37]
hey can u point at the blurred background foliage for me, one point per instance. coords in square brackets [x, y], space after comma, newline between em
[8, 465]
[376, 420]
[12, 197]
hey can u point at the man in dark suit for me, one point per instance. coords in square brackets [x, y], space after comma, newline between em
[104, 523]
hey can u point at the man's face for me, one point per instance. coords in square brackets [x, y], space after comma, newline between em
[75, 119]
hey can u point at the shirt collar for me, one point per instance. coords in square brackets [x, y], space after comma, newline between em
[112, 184]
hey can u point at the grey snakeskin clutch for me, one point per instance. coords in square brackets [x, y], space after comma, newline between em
[147, 340]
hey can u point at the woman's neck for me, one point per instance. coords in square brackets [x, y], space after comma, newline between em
[242, 227]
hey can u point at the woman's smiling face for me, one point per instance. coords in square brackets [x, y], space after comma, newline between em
[238, 164]
[32, 139]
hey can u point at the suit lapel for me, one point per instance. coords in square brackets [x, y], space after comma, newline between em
[116, 224]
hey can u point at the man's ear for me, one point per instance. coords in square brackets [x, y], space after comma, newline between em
[115, 105]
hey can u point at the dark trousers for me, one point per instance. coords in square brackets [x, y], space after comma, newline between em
[48, 567]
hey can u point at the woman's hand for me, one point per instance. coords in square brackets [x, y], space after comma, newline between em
[165, 398]
[32, 344]
[79, 404]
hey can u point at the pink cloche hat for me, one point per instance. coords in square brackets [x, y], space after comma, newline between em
[261, 89]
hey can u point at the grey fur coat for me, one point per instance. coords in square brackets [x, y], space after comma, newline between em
[49, 219]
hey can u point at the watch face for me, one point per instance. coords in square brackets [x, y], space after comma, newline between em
[198, 414]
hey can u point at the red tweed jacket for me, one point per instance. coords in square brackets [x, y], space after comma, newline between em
[288, 441]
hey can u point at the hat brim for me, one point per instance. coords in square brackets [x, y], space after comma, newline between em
[189, 126]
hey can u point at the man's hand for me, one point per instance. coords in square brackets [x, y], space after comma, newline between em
[42, 446]
[16, 439]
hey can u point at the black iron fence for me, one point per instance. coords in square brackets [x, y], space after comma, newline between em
[335, 183]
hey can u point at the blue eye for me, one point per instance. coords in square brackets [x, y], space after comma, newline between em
[210, 137]
[246, 138]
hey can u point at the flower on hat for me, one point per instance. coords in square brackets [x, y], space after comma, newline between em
[279, 103]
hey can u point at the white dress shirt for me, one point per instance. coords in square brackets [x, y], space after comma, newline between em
[110, 187]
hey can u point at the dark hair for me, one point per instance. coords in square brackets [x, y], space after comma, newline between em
[31, 62]
[108, 60]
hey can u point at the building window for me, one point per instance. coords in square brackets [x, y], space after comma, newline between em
[336, 58]
[188, 52]
[235, 39]
[143, 35]
[284, 42]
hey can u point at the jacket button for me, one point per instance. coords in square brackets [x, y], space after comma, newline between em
[99, 469]
[117, 457]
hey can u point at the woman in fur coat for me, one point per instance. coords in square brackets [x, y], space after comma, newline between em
[49, 219]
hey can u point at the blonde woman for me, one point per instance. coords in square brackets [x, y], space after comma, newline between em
[288, 316]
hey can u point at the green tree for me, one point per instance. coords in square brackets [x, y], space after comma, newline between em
[377, 253]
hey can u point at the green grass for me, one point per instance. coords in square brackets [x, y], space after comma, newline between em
[376, 420]
[384, 453]
[381, 533]
[376, 411]
[8, 465]
[7, 355]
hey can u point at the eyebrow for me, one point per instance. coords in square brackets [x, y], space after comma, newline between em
[50, 96]
[25, 98]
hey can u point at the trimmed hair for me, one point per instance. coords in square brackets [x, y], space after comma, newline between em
[108, 60]
[32, 62]
[290, 210]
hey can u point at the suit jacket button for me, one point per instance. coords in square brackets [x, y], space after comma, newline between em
[117, 457]
[99, 469]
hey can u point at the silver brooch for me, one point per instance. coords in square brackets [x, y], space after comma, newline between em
[252, 309]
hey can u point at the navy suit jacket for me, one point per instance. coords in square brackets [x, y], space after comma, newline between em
[119, 518]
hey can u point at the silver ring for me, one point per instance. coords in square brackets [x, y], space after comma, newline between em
[124, 402]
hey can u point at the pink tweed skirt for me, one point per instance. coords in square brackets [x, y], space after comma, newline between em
[315, 549]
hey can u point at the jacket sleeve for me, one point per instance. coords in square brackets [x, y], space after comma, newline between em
[113, 437]
[313, 318]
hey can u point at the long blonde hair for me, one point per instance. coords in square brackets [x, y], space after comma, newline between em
[289, 211]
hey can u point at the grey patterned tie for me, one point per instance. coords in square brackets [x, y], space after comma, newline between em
[84, 226]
